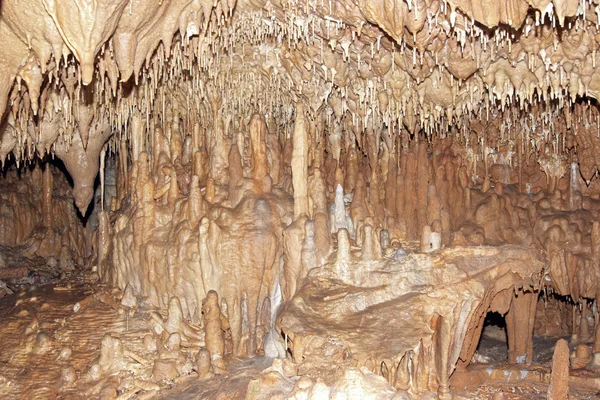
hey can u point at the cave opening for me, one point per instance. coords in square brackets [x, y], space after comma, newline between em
[493, 344]
[556, 317]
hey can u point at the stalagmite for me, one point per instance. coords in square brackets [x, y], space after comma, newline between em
[519, 327]
[584, 328]
[371, 247]
[129, 299]
[559, 380]
[300, 164]
[111, 360]
[340, 219]
[175, 323]
[580, 357]
[258, 143]
[168, 365]
[47, 191]
[430, 240]
[213, 331]
[203, 364]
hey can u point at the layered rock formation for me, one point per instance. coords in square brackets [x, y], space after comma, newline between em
[370, 313]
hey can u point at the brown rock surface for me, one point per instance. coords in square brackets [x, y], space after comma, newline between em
[451, 290]
[297, 180]
[559, 380]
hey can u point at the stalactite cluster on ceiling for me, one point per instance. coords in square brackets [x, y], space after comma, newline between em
[76, 74]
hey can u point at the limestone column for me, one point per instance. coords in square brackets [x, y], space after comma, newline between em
[138, 126]
[520, 320]
[596, 257]
[442, 344]
[559, 380]
[195, 202]
[258, 143]
[103, 240]
[47, 188]
[584, 328]
[300, 164]
[293, 235]
[156, 147]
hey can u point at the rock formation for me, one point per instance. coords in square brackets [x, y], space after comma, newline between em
[302, 199]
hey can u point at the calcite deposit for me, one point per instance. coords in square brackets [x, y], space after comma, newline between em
[301, 200]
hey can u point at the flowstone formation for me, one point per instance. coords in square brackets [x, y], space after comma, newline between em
[337, 315]
[391, 199]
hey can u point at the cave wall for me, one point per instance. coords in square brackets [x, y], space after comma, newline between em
[39, 227]
[190, 221]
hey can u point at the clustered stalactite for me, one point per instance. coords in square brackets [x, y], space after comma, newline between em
[255, 142]
[435, 68]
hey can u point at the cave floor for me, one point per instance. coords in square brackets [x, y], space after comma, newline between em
[43, 338]
[232, 386]
[488, 375]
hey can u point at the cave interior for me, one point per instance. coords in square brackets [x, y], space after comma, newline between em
[303, 200]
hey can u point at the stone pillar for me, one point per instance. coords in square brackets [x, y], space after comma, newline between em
[520, 320]
[103, 240]
[47, 189]
[300, 164]
[559, 379]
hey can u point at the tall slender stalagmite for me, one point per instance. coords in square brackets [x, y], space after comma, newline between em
[300, 163]
[47, 189]
[258, 143]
